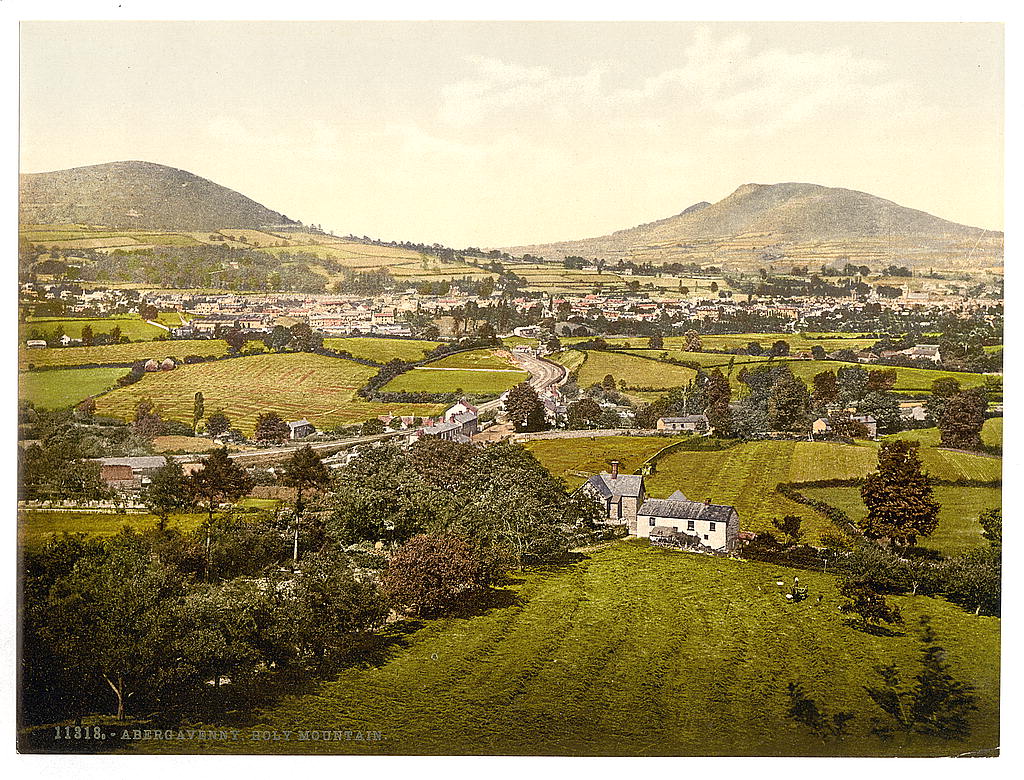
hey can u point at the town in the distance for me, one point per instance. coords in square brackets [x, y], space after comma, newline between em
[606, 496]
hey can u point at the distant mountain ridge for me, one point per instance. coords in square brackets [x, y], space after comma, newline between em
[134, 194]
[795, 221]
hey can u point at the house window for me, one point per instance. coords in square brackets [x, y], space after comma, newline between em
[705, 536]
[689, 525]
[711, 527]
[651, 521]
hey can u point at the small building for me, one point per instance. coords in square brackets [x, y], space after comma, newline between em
[300, 429]
[120, 477]
[691, 423]
[926, 351]
[715, 525]
[35, 344]
[869, 422]
[821, 427]
[913, 410]
[619, 495]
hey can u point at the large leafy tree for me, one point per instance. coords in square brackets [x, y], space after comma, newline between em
[962, 418]
[898, 496]
[167, 491]
[431, 575]
[217, 424]
[789, 406]
[271, 428]
[524, 408]
[718, 393]
[826, 388]
[584, 413]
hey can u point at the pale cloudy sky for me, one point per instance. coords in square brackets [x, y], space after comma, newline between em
[493, 134]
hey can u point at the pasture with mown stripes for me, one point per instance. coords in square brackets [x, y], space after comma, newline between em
[631, 650]
[295, 385]
[476, 372]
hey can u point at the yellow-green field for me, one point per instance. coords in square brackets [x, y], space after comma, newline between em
[477, 358]
[637, 372]
[120, 353]
[571, 459]
[295, 385]
[35, 527]
[958, 530]
[65, 387]
[133, 327]
[383, 350]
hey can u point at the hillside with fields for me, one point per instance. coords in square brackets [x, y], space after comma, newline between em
[134, 194]
[791, 222]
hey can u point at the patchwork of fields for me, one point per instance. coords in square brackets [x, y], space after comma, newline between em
[295, 385]
[133, 327]
[632, 651]
[636, 371]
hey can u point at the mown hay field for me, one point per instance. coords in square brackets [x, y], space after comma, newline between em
[443, 380]
[120, 353]
[631, 650]
[958, 530]
[476, 358]
[383, 350]
[295, 385]
[65, 387]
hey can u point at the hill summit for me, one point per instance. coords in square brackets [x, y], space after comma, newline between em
[796, 222]
[135, 194]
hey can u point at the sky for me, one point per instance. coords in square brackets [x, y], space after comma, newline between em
[502, 133]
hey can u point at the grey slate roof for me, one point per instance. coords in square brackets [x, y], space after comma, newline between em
[299, 423]
[138, 462]
[463, 417]
[684, 510]
[689, 418]
[623, 485]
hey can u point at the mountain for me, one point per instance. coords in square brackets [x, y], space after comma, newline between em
[134, 194]
[760, 224]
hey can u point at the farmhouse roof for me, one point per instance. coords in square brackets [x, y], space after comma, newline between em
[462, 417]
[137, 462]
[628, 485]
[684, 510]
[299, 423]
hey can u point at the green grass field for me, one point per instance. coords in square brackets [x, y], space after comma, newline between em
[120, 353]
[383, 350]
[566, 457]
[133, 326]
[295, 385]
[477, 372]
[991, 434]
[37, 527]
[637, 372]
[631, 651]
[958, 530]
[476, 358]
[65, 387]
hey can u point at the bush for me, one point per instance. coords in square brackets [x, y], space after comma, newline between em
[432, 575]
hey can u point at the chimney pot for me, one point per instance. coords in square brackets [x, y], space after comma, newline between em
[615, 469]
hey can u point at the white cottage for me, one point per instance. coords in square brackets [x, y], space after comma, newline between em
[715, 526]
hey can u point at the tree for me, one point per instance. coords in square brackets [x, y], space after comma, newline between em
[198, 410]
[524, 408]
[278, 338]
[753, 348]
[217, 424]
[304, 339]
[167, 491]
[943, 389]
[304, 470]
[962, 418]
[899, 496]
[608, 383]
[656, 341]
[434, 575]
[790, 527]
[271, 428]
[991, 522]
[936, 704]
[865, 602]
[693, 341]
[220, 479]
[779, 348]
[115, 334]
[149, 312]
[826, 388]
[147, 424]
[718, 393]
[818, 352]
[584, 413]
[87, 336]
[372, 427]
[235, 339]
[789, 405]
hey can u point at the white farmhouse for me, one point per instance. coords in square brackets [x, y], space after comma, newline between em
[716, 526]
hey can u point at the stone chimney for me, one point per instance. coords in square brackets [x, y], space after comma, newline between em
[615, 469]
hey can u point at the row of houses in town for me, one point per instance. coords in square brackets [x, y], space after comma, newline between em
[624, 501]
